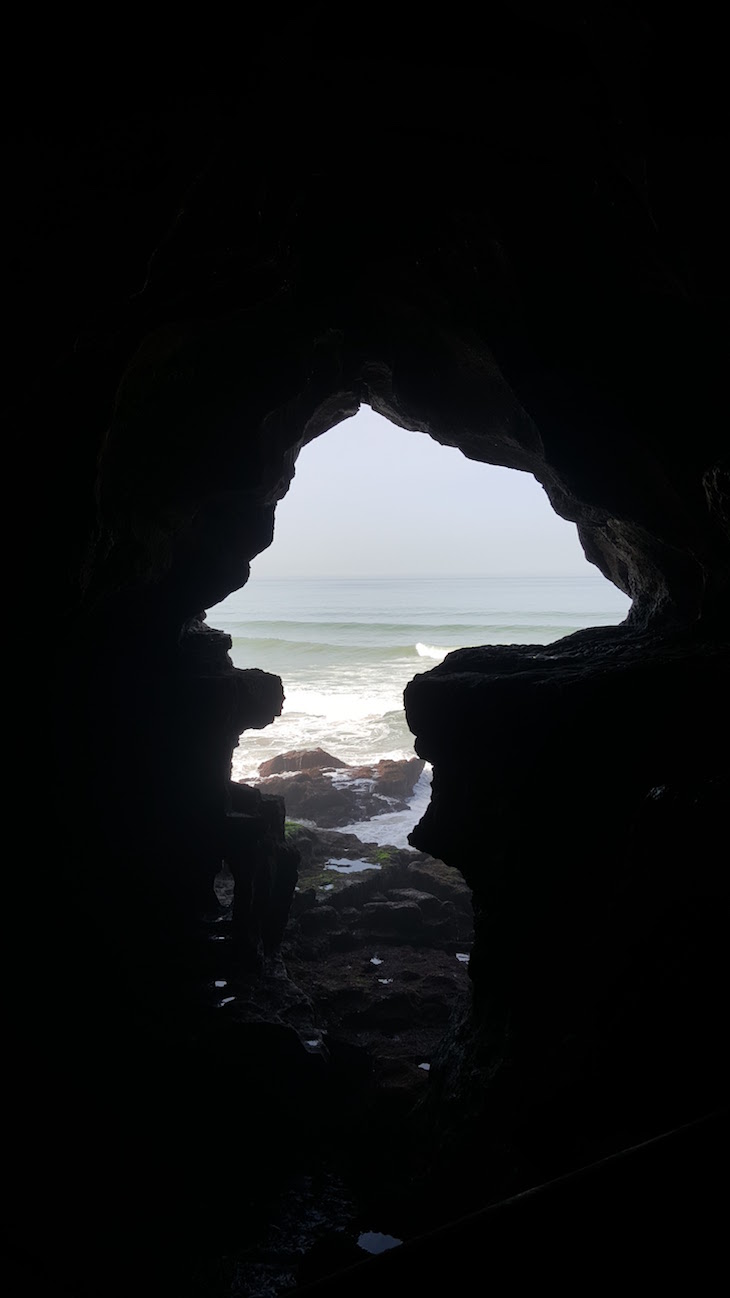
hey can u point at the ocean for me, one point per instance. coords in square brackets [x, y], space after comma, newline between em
[345, 649]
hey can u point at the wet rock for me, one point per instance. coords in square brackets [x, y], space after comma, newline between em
[377, 900]
[430, 905]
[394, 1011]
[301, 759]
[319, 919]
[329, 797]
[373, 904]
[312, 795]
[392, 779]
[388, 918]
[440, 880]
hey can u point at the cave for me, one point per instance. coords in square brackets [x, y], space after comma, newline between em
[516, 244]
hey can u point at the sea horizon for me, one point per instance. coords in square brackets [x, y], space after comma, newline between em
[445, 576]
[345, 648]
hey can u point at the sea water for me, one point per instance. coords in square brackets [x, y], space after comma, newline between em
[345, 648]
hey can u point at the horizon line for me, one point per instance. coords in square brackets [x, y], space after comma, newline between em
[423, 576]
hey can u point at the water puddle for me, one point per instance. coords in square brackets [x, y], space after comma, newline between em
[344, 866]
[372, 1241]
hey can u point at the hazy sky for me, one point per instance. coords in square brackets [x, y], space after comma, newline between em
[370, 499]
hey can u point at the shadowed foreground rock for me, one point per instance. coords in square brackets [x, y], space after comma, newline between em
[592, 852]
[376, 951]
[515, 242]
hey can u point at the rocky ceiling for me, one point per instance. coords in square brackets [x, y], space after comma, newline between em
[514, 241]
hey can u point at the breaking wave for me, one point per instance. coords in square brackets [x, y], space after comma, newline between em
[432, 651]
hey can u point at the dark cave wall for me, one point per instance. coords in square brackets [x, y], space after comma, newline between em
[580, 791]
[516, 244]
[522, 235]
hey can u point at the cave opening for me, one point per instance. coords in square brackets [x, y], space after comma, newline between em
[391, 551]
[494, 823]
[517, 245]
[372, 577]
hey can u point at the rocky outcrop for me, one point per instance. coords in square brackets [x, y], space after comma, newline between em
[329, 795]
[300, 760]
[392, 779]
[591, 930]
[263, 868]
[351, 893]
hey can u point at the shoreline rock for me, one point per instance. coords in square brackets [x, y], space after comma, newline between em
[300, 759]
[320, 788]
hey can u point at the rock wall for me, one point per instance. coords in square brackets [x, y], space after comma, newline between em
[514, 243]
[579, 791]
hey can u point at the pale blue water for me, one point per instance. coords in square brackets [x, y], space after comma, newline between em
[345, 649]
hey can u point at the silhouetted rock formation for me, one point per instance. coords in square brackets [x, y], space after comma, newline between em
[516, 244]
[552, 760]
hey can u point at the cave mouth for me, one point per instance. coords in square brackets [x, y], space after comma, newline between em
[390, 552]
[373, 576]
[379, 935]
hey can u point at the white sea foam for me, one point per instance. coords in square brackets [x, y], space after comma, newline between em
[432, 651]
[346, 649]
[392, 828]
[343, 704]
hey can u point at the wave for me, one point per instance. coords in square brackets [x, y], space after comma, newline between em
[268, 649]
[381, 649]
[340, 706]
[432, 651]
[321, 625]
[479, 624]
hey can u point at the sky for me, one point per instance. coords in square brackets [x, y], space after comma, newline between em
[370, 499]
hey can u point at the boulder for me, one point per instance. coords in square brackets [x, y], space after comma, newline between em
[301, 759]
[402, 919]
[391, 779]
[319, 919]
[398, 779]
[311, 795]
[426, 901]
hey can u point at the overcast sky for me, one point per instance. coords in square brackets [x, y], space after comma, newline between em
[370, 499]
